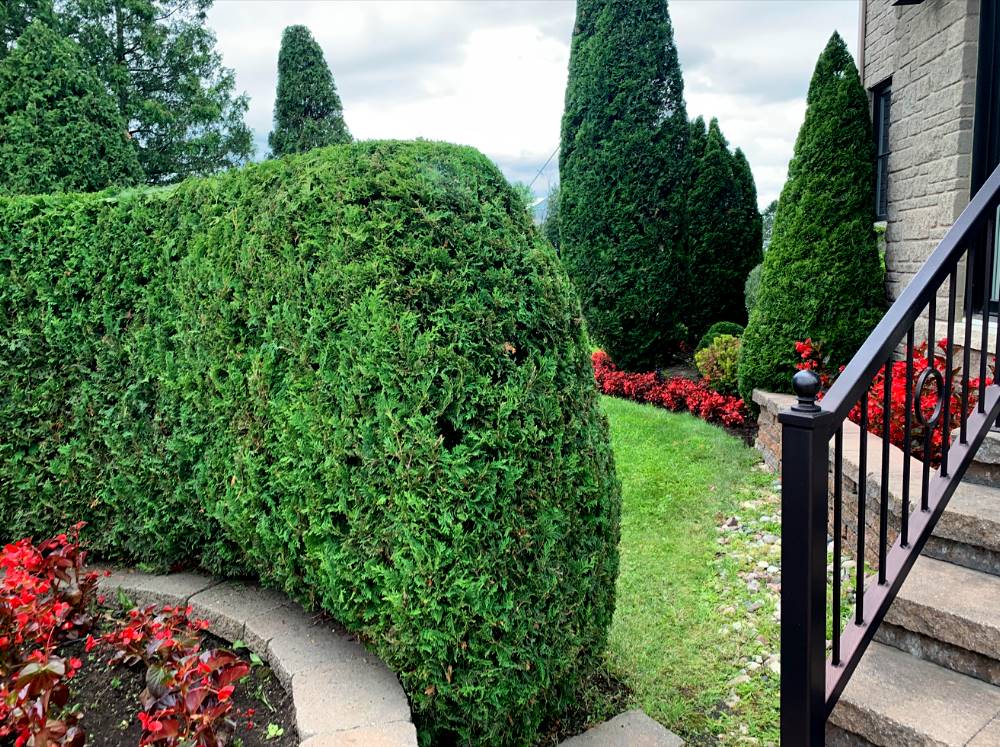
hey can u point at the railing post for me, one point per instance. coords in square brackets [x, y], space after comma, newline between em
[805, 453]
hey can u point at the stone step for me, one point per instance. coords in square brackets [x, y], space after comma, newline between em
[895, 699]
[968, 533]
[985, 468]
[948, 615]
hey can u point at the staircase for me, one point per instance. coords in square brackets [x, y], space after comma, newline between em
[914, 657]
[932, 677]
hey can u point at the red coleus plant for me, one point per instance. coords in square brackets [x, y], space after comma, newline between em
[812, 359]
[677, 393]
[46, 600]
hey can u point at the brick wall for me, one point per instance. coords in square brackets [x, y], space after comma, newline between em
[930, 52]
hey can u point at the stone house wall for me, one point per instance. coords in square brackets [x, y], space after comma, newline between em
[930, 53]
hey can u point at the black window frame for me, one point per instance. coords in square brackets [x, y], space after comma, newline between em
[881, 120]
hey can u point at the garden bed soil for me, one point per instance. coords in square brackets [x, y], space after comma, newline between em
[108, 697]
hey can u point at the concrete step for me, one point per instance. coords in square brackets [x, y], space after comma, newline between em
[629, 729]
[985, 468]
[948, 615]
[968, 533]
[895, 699]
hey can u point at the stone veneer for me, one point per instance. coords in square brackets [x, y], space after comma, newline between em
[769, 444]
[930, 52]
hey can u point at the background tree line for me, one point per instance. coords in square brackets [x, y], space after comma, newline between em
[121, 92]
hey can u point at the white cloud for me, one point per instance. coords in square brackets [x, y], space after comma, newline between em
[493, 74]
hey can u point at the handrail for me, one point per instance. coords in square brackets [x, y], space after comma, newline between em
[811, 683]
[910, 304]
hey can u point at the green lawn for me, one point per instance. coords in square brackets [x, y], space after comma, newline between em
[679, 594]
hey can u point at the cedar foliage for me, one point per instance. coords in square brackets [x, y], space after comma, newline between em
[624, 168]
[723, 230]
[359, 373]
[821, 276]
[307, 111]
[59, 128]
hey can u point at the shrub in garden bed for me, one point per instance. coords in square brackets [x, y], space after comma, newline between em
[358, 373]
[821, 275]
[718, 363]
[717, 330]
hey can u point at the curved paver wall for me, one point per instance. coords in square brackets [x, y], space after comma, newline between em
[343, 695]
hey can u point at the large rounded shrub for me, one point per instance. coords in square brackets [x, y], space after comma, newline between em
[358, 373]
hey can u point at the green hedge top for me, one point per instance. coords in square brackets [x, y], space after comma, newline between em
[359, 374]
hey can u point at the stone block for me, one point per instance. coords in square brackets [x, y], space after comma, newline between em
[632, 728]
[227, 607]
[399, 734]
[145, 588]
[334, 697]
[297, 642]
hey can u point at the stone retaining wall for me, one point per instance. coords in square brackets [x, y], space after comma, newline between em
[769, 444]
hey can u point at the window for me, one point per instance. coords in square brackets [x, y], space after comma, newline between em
[882, 99]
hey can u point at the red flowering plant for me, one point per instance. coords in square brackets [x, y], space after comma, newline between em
[677, 394]
[813, 360]
[188, 692]
[46, 601]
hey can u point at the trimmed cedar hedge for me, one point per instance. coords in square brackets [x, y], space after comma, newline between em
[358, 374]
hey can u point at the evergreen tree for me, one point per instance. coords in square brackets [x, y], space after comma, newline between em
[624, 170]
[721, 231]
[751, 240]
[550, 228]
[699, 138]
[59, 128]
[822, 277]
[307, 111]
[767, 221]
[159, 61]
[17, 15]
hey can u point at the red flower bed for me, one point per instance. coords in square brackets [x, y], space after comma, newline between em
[677, 394]
[47, 602]
[812, 359]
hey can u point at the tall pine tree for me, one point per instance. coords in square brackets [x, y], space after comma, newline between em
[159, 61]
[720, 228]
[307, 112]
[17, 15]
[624, 170]
[822, 277]
[751, 223]
[59, 128]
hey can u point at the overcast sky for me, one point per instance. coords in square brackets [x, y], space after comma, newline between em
[493, 74]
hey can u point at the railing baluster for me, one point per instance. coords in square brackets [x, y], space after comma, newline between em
[907, 438]
[949, 355]
[963, 436]
[859, 589]
[928, 429]
[883, 514]
[987, 292]
[838, 508]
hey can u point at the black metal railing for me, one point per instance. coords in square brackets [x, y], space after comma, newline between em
[811, 683]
